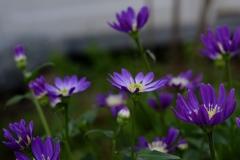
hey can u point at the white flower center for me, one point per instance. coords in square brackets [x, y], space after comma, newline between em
[124, 113]
[179, 81]
[221, 47]
[134, 86]
[114, 100]
[134, 26]
[158, 146]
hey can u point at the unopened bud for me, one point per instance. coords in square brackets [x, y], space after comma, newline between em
[123, 116]
[20, 58]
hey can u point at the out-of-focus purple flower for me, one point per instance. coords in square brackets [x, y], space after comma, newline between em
[141, 83]
[67, 86]
[20, 156]
[113, 101]
[165, 99]
[38, 87]
[211, 111]
[184, 80]
[45, 150]
[23, 133]
[166, 144]
[54, 100]
[238, 122]
[221, 43]
[129, 22]
[20, 57]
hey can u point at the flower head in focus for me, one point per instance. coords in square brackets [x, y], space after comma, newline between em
[67, 86]
[221, 43]
[113, 101]
[140, 83]
[211, 111]
[165, 99]
[184, 80]
[23, 133]
[129, 22]
[166, 144]
[20, 58]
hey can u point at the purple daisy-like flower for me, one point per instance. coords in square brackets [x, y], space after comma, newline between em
[23, 133]
[238, 122]
[211, 111]
[45, 150]
[67, 86]
[128, 21]
[165, 99]
[140, 83]
[221, 43]
[166, 144]
[113, 101]
[184, 80]
[38, 87]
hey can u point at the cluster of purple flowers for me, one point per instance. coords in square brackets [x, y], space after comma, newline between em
[62, 88]
[25, 141]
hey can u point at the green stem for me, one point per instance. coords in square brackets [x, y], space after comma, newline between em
[114, 141]
[201, 149]
[227, 61]
[143, 54]
[133, 122]
[211, 145]
[66, 123]
[42, 117]
[94, 147]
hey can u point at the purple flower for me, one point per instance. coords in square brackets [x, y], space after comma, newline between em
[238, 122]
[141, 83]
[166, 144]
[23, 133]
[67, 86]
[45, 150]
[20, 58]
[128, 22]
[165, 99]
[211, 111]
[19, 53]
[113, 101]
[184, 80]
[38, 87]
[20, 156]
[221, 43]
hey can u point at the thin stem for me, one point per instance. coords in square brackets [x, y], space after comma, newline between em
[229, 79]
[66, 123]
[211, 145]
[94, 147]
[42, 117]
[143, 54]
[59, 124]
[114, 141]
[133, 122]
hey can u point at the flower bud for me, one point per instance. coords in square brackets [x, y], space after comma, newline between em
[20, 58]
[123, 116]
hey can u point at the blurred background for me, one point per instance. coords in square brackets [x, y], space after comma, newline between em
[75, 36]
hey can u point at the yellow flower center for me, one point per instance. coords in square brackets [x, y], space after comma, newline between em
[134, 26]
[212, 110]
[63, 92]
[134, 86]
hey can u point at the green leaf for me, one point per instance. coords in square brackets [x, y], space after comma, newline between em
[107, 133]
[151, 55]
[17, 99]
[155, 155]
[35, 73]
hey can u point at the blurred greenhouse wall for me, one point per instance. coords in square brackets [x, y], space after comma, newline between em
[42, 26]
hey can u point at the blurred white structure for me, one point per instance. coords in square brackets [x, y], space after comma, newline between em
[38, 24]
[62, 19]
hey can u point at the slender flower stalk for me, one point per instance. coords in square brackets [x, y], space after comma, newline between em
[114, 143]
[135, 103]
[228, 70]
[41, 115]
[211, 144]
[66, 123]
